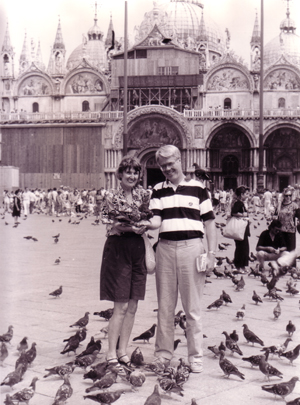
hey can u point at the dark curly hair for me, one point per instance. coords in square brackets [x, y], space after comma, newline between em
[128, 162]
[241, 190]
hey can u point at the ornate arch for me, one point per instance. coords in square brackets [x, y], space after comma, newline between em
[85, 81]
[278, 126]
[154, 126]
[250, 136]
[228, 76]
[34, 83]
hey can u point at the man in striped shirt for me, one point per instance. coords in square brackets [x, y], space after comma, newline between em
[181, 208]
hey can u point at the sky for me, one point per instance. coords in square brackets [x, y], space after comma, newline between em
[39, 19]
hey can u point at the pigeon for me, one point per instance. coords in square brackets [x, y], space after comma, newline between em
[27, 237]
[96, 372]
[264, 279]
[82, 321]
[226, 298]
[177, 318]
[57, 261]
[182, 322]
[292, 354]
[137, 358]
[222, 347]
[107, 314]
[56, 236]
[14, 377]
[168, 383]
[23, 345]
[256, 298]
[8, 335]
[25, 394]
[251, 337]
[254, 271]
[216, 304]
[105, 397]
[231, 345]
[56, 293]
[87, 360]
[136, 378]
[292, 291]
[176, 343]
[22, 361]
[214, 350]
[290, 328]
[282, 348]
[147, 335]
[218, 274]
[277, 311]
[31, 354]
[228, 368]
[65, 369]
[273, 295]
[8, 400]
[267, 369]
[91, 347]
[241, 312]
[253, 360]
[109, 378]
[3, 352]
[240, 284]
[64, 392]
[154, 398]
[282, 389]
[234, 336]
[72, 344]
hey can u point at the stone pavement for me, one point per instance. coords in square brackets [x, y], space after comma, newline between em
[28, 275]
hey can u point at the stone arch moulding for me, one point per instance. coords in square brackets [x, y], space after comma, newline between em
[153, 126]
[282, 78]
[221, 126]
[271, 129]
[96, 82]
[35, 84]
[228, 77]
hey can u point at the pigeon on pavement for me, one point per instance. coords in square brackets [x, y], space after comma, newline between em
[241, 312]
[154, 398]
[268, 370]
[251, 336]
[109, 378]
[290, 328]
[291, 355]
[86, 360]
[64, 392]
[137, 358]
[61, 370]
[282, 389]
[231, 345]
[277, 311]
[216, 304]
[106, 314]
[256, 298]
[56, 293]
[105, 397]
[14, 377]
[8, 335]
[226, 298]
[228, 368]
[253, 360]
[23, 345]
[82, 322]
[72, 344]
[147, 335]
[25, 394]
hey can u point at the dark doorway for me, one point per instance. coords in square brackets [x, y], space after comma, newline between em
[35, 107]
[230, 183]
[283, 182]
[154, 176]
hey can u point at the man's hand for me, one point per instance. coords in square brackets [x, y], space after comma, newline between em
[210, 263]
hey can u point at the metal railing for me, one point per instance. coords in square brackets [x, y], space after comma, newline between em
[240, 113]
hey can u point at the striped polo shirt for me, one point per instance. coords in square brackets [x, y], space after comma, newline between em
[182, 209]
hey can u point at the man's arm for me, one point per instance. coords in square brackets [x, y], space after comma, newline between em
[154, 222]
[211, 237]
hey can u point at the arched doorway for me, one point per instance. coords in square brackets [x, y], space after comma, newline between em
[230, 171]
[154, 174]
[229, 158]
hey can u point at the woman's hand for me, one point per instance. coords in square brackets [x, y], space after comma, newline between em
[139, 229]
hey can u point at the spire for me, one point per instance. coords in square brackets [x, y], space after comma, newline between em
[25, 56]
[203, 33]
[6, 46]
[95, 33]
[255, 39]
[110, 34]
[38, 57]
[59, 42]
[288, 25]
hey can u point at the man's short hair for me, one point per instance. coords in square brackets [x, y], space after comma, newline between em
[275, 224]
[167, 151]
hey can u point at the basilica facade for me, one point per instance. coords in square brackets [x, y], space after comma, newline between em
[62, 124]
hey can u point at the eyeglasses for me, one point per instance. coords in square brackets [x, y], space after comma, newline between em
[288, 195]
[169, 164]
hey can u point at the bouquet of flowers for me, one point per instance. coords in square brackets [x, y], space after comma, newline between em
[116, 208]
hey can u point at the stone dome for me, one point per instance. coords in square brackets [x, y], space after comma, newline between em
[91, 49]
[286, 44]
[183, 20]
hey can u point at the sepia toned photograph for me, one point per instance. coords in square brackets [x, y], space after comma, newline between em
[150, 202]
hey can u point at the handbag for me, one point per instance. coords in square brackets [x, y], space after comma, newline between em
[149, 255]
[235, 228]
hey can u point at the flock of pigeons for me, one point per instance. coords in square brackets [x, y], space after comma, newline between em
[170, 379]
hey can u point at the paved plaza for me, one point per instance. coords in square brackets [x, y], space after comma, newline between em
[29, 274]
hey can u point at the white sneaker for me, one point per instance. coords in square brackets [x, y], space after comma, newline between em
[196, 366]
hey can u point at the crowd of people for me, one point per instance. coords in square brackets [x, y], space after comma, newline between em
[56, 202]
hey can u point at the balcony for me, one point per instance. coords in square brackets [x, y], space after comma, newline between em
[60, 117]
[217, 114]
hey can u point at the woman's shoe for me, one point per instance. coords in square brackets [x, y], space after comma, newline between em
[125, 361]
[116, 365]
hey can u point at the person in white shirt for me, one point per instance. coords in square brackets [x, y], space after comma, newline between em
[26, 201]
[267, 198]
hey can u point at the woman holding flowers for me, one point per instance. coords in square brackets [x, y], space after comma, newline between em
[123, 271]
